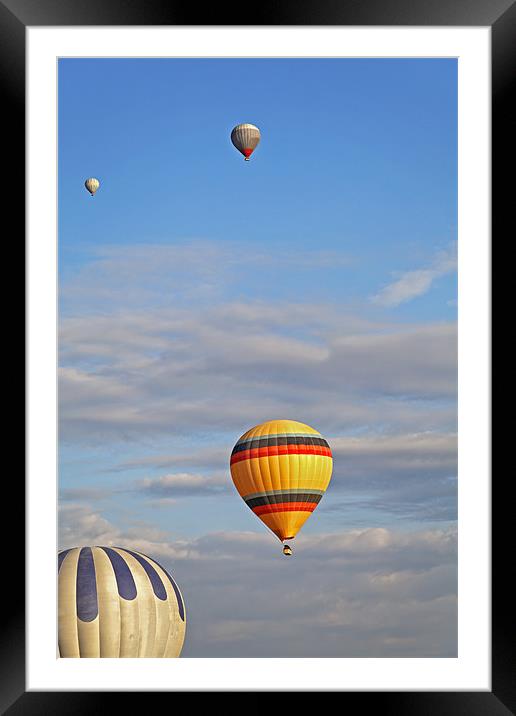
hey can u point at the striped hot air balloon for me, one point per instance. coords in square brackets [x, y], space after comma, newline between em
[245, 138]
[281, 469]
[114, 602]
[92, 185]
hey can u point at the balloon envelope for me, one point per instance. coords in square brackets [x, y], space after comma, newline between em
[245, 138]
[115, 602]
[281, 469]
[92, 185]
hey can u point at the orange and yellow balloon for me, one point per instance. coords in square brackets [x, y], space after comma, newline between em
[281, 469]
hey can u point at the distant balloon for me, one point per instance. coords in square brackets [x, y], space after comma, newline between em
[92, 185]
[281, 469]
[245, 138]
[115, 602]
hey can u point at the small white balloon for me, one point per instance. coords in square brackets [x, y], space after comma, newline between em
[92, 185]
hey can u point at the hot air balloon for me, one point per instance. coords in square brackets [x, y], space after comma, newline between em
[281, 469]
[114, 602]
[92, 185]
[245, 137]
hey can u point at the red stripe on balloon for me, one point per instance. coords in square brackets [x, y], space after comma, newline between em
[280, 450]
[285, 507]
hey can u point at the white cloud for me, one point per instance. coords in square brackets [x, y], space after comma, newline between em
[184, 272]
[376, 477]
[360, 593]
[144, 352]
[406, 452]
[84, 493]
[409, 478]
[182, 484]
[203, 457]
[126, 375]
[80, 525]
[394, 450]
[412, 284]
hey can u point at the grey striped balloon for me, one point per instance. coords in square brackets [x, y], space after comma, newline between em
[245, 138]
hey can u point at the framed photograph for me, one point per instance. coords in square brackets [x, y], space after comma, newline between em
[281, 222]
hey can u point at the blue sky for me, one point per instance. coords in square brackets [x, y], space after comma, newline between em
[201, 294]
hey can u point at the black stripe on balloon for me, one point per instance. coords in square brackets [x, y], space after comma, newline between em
[61, 556]
[283, 497]
[87, 605]
[154, 578]
[274, 442]
[124, 578]
[180, 604]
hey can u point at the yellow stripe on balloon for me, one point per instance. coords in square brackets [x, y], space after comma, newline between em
[309, 472]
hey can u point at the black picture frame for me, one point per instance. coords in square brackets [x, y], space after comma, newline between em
[500, 16]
